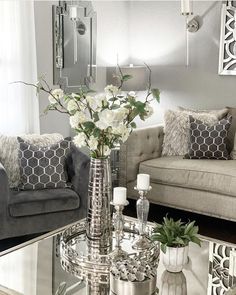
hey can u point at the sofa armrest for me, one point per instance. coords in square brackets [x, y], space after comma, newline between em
[4, 195]
[143, 144]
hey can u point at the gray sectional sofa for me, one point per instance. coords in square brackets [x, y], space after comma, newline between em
[28, 212]
[202, 186]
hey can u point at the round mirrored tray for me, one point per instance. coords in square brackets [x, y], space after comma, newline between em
[93, 265]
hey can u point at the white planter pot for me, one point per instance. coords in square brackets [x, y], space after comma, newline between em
[175, 258]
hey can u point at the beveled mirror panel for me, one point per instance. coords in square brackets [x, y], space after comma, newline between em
[74, 44]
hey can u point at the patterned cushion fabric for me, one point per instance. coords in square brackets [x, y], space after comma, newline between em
[42, 168]
[208, 142]
[9, 152]
[176, 129]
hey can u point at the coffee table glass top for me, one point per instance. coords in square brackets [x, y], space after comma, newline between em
[35, 268]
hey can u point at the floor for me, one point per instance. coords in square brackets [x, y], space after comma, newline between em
[208, 226]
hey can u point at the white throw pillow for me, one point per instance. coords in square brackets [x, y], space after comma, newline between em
[9, 152]
[176, 130]
[219, 113]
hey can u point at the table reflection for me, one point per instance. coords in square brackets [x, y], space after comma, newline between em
[173, 283]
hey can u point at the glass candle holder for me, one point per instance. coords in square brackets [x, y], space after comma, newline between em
[118, 220]
[142, 208]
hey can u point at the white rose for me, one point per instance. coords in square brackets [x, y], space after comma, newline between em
[55, 96]
[106, 150]
[74, 120]
[101, 101]
[149, 111]
[93, 143]
[52, 100]
[77, 118]
[106, 118]
[74, 95]
[132, 93]
[121, 114]
[59, 93]
[111, 89]
[123, 131]
[80, 140]
[72, 106]
[91, 101]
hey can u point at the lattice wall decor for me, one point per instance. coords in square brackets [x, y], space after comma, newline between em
[222, 268]
[227, 58]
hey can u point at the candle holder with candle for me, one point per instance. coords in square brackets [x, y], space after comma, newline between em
[118, 220]
[142, 207]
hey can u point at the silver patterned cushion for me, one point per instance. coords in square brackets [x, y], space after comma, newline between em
[43, 167]
[208, 142]
[176, 129]
[9, 152]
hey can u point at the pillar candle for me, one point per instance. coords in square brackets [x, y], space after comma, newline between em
[143, 181]
[119, 195]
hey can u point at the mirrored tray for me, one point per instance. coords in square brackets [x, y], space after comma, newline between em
[93, 265]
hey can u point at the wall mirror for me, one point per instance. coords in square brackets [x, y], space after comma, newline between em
[74, 44]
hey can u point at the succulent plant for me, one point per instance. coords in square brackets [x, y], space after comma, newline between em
[175, 233]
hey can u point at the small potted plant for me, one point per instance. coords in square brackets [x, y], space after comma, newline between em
[175, 237]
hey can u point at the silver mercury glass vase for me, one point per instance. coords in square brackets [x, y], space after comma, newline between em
[99, 222]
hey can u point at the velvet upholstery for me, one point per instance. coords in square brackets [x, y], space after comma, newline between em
[52, 200]
[68, 210]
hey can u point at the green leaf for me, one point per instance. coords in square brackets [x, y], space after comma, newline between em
[89, 125]
[133, 125]
[163, 248]
[196, 240]
[115, 106]
[96, 117]
[96, 132]
[126, 77]
[140, 106]
[179, 241]
[189, 227]
[156, 94]
[113, 99]
[48, 108]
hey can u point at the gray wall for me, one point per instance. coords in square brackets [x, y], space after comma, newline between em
[154, 32]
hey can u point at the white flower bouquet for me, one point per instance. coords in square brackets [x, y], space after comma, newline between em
[101, 121]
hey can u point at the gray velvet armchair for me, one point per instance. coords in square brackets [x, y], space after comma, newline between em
[28, 212]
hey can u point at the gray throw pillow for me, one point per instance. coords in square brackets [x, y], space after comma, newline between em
[208, 142]
[9, 147]
[44, 167]
[176, 130]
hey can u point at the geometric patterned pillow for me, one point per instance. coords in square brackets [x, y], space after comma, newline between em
[208, 142]
[42, 168]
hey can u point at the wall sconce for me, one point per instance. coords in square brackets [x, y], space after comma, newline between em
[139, 77]
[191, 25]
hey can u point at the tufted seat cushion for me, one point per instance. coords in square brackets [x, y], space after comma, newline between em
[205, 175]
[26, 203]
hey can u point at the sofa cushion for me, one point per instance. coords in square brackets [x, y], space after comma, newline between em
[25, 203]
[9, 152]
[177, 124]
[42, 168]
[208, 175]
[208, 142]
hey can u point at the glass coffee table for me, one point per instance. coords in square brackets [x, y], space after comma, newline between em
[40, 267]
